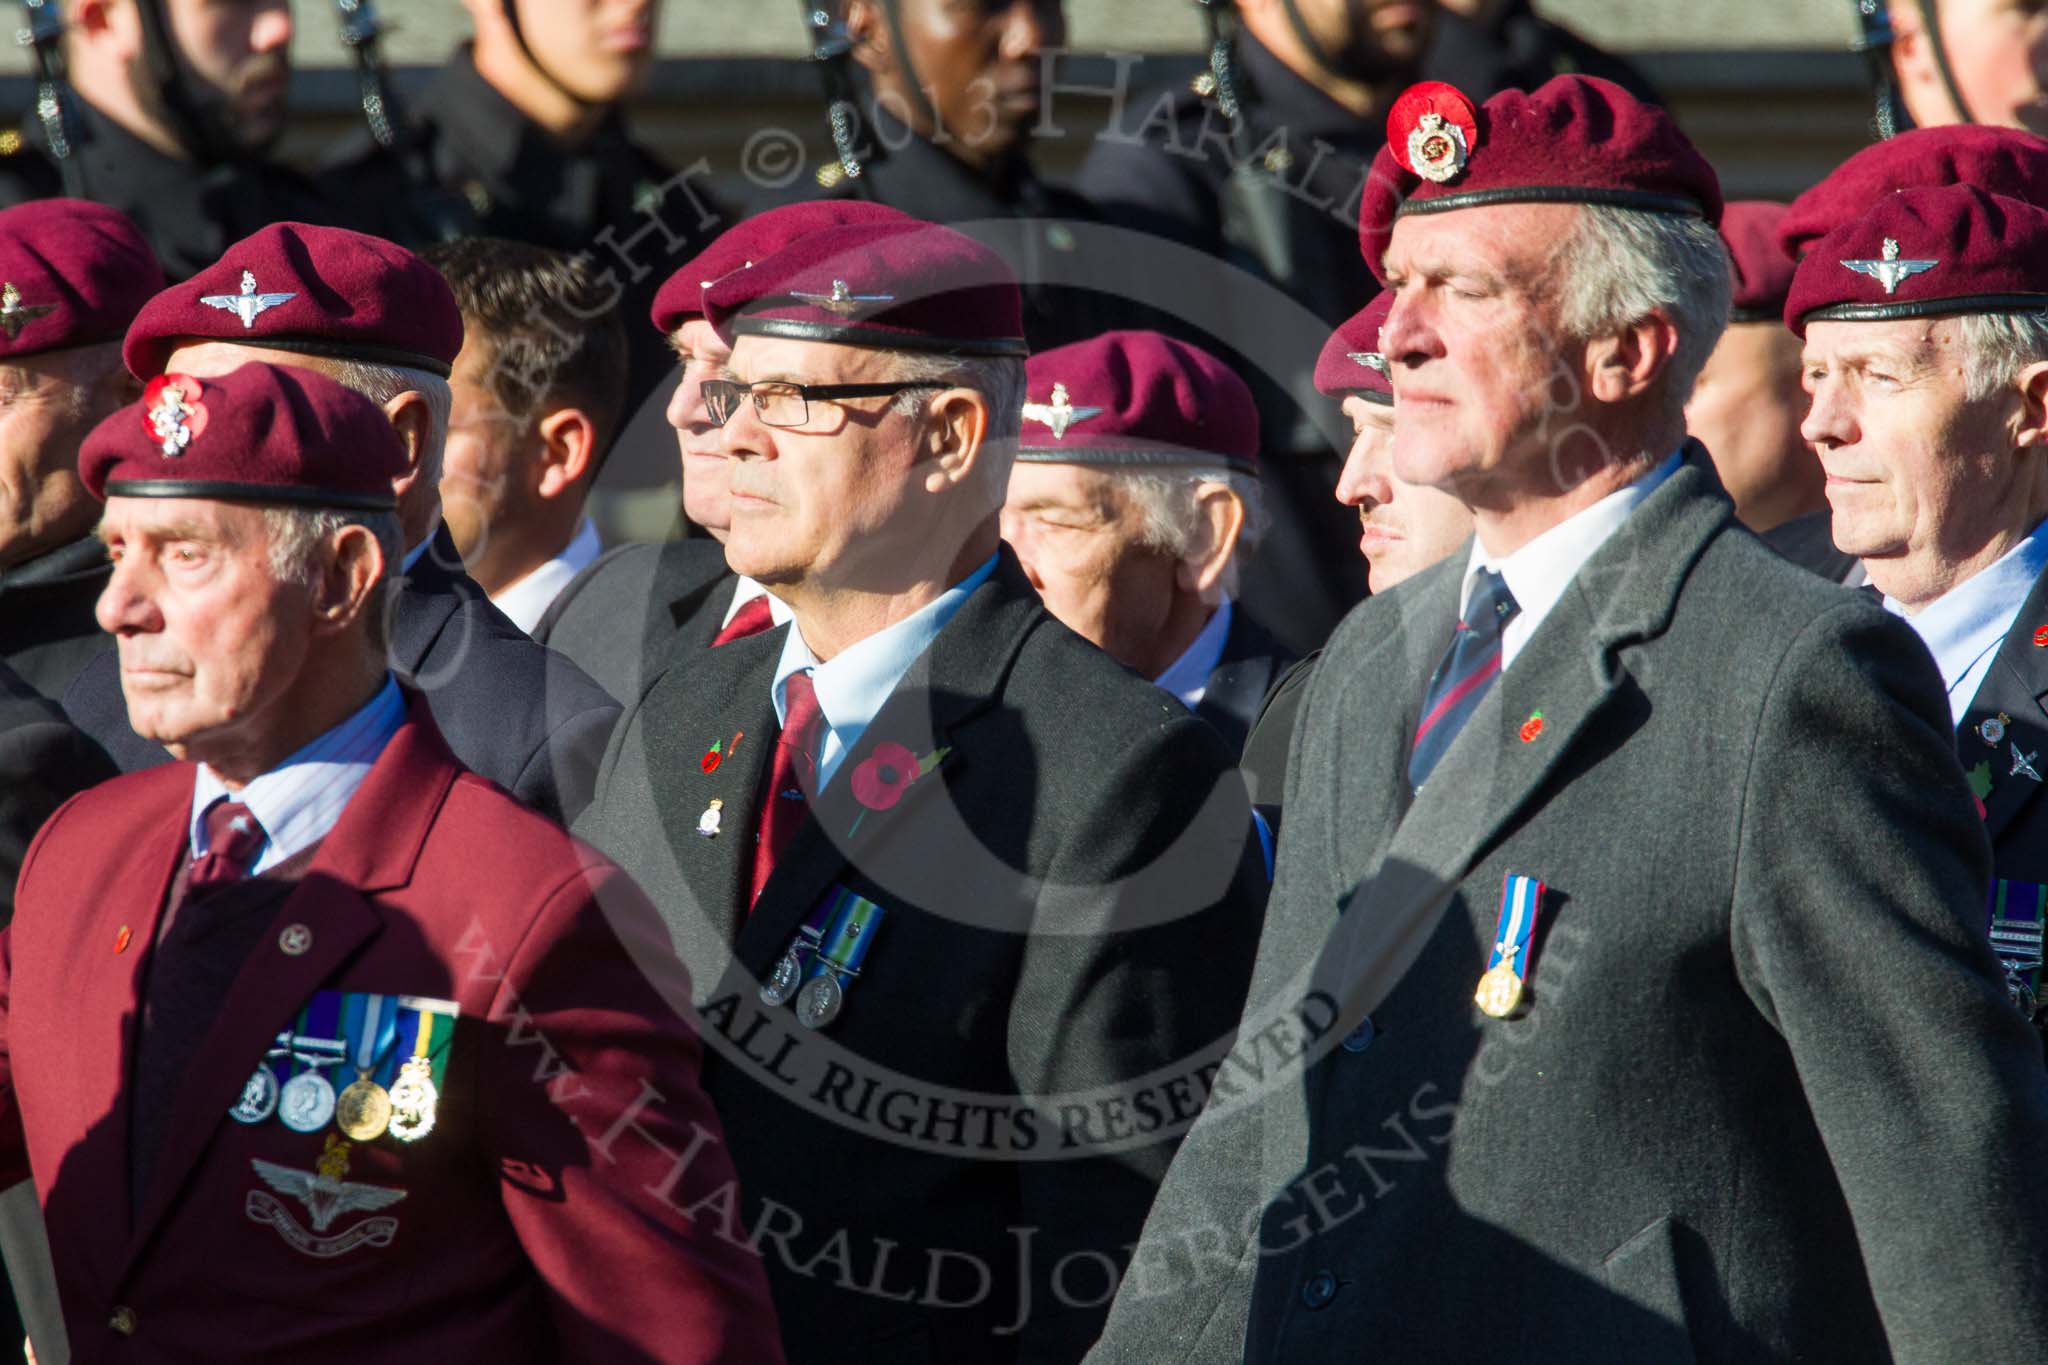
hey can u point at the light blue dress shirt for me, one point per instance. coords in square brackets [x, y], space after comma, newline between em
[299, 800]
[1964, 627]
[853, 686]
[1188, 676]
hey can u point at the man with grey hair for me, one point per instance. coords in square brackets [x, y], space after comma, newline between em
[1630, 864]
[923, 840]
[378, 319]
[1134, 500]
[1930, 417]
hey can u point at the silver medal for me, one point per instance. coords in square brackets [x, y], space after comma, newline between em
[818, 1003]
[307, 1102]
[782, 982]
[259, 1098]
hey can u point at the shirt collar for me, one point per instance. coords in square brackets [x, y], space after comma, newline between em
[1970, 619]
[853, 686]
[299, 800]
[527, 600]
[1188, 676]
[1539, 572]
[745, 591]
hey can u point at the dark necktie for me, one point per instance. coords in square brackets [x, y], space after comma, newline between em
[232, 838]
[752, 618]
[1462, 679]
[793, 771]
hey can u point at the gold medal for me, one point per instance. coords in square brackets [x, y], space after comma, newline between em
[1500, 990]
[414, 1101]
[363, 1110]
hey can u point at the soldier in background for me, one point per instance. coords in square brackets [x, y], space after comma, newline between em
[523, 135]
[1971, 61]
[72, 277]
[1276, 192]
[172, 110]
[953, 93]
[539, 389]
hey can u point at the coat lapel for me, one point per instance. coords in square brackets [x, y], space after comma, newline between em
[425, 600]
[373, 847]
[114, 992]
[1571, 670]
[2012, 697]
[945, 688]
[718, 869]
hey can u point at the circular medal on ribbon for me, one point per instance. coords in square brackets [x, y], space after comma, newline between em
[1500, 990]
[307, 1102]
[259, 1098]
[363, 1110]
[819, 1002]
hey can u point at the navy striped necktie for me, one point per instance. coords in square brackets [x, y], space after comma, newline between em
[1462, 679]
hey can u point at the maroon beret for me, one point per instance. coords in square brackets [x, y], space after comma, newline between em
[1763, 272]
[72, 273]
[1137, 399]
[1351, 361]
[260, 433]
[315, 290]
[1925, 254]
[902, 285]
[755, 239]
[1573, 140]
[2004, 161]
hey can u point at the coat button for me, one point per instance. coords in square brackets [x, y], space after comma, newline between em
[123, 1320]
[1360, 1038]
[1319, 1291]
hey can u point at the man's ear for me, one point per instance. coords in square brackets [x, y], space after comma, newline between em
[1221, 516]
[415, 423]
[343, 590]
[1623, 364]
[956, 427]
[2033, 389]
[568, 451]
[868, 31]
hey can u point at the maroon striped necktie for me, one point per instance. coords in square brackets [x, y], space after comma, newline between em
[752, 618]
[793, 771]
[233, 837]
[1467, 672]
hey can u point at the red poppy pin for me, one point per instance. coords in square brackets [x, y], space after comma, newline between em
[719, 752]
[2041, 637]
[172, 413]
[1532, 727]
[880, 781]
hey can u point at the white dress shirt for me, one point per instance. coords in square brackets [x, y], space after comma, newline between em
[745, 591]
[528, 599]
[1964, 627]
[1188, 676]
[299, 800]
[853, 686]
[1539, 573]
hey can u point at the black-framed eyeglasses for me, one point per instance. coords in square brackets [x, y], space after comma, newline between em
[781, 404]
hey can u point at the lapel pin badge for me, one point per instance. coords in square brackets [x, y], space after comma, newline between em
[2024, 764]
[707, 823]
[1532, 727]
[2041, 637]
[122, 938]
[1992, 730]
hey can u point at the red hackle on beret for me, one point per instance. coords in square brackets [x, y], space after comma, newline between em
[317, 290]
[1574, 139]
[753, 239]
[260, 433]
[1351, 361]
[1763, 272]
[1926, 253]
[72, 273]
[2003, 161]
[906, 285]
[1137, 399]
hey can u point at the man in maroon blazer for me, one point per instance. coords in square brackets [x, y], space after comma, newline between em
[318, 1046]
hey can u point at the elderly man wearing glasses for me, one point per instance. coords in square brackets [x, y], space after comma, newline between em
[972, 905]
